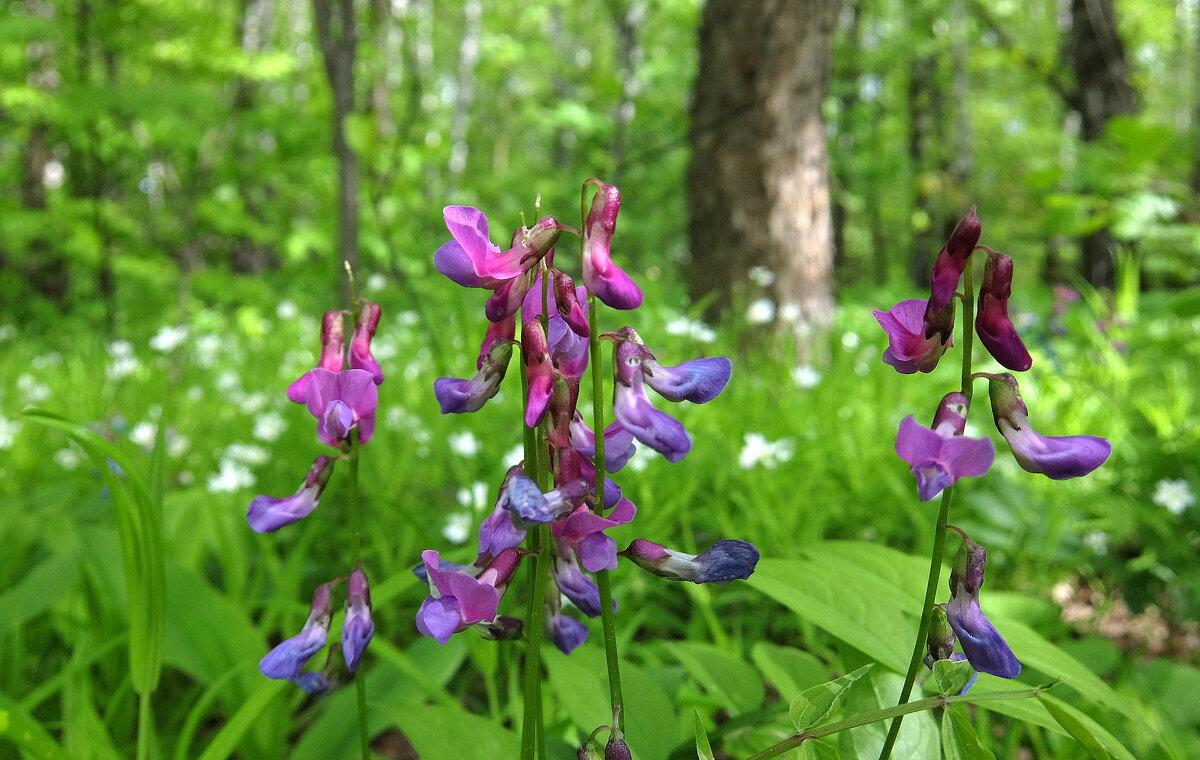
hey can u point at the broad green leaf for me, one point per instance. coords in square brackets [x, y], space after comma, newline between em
[1076, 728]
[703, 748]
[951, 676]
[816, 704]
[788, 669]
[651, 726]
[855, 609]
[37, 590]
[736, 684]
[450, 733]
[19, 728]
[959, 739]
[1034, 650]
[918, 737]
[230, 737]
[580, 683]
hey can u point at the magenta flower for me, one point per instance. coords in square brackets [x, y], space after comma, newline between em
[333, 344]
[568, 347]
[539, 369]
[601, 276]
[1056, 457]
[582, 531]
[357, 628]
[723, 562]
[268, 514]
[950, 263]
[287, 659]
[939, 456]
[992, 323]
[341, 402]
[360, 343]
[571, 304]
[985, 648]
[473, 261]
[908, 350]
[460, 600]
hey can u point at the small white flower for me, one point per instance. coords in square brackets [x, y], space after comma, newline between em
[32, 391]
[757, 450]
[68, 459]
[641, 459]
[251, 403]
[45, 361]
[806, 376]
[385, 349]
[514, 455]
[8, 432]
[761, 311]
[457, 528]
[122, 367]
[169, 338]
[1175, 495]
[761, 276]
[693, 328]
[269, 426]
[463, 444]
[474, 497]
[850, 341]
[286, 310]
[247, 453]
[7, 331]
[195, 393]
[375, 283]
[1097, 541]
[207, 350]
[143, 434]
[119, 349]
[177, 444]
[231, 478]
[791, 313]
[228, 381]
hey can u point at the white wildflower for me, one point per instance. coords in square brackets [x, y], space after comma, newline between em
[143, 434]
[230, 478]
[247, 453]
[375, 283]
[692, 328]
[32, 391]
[286, 310]
[806, 376]
[207, 350]
[761, 276]
[790, 313]
[457, 528]
[463, 444]
[761, 312]
[8, 432]
[474, 497]
[758, 451]
[850, 340]
[68, 458]
[1175, 495]
[269, 426]
[169, 338]
[1097, 541]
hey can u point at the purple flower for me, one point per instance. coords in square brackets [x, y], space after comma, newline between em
[950, 263]
[583, 531]
[908, 350]
[568, 348]
[539, 369]
[342, 401]
[940, 643]
[360, 344]
[459, 599]
[473, 261]
[268, 514]
[571, 303]
[696, 380]
[940, 456]
[985, 649]
[576, 586]
[457, 396]
[287, 659]
[1056, 457]
[601, 276]
[618, 443]
[723, 562]
[332, 349]
[992, 323]
[566, 632]
[357, 628]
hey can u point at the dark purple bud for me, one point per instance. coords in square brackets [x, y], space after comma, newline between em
[1056, 457]
[600, 275]
[951, 262]
[617, 749]
[909, 350]
[288, 658]
[268, 514]
[985, 649]
[569, 307]
[992, 323]
[539, 369]
[360, 345]
[357, 628]
[723, 562]
[332, 350]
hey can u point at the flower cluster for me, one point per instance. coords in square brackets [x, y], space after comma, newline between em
[343, 400]
[560, 488]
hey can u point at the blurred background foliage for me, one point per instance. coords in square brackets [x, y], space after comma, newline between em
[168, 240]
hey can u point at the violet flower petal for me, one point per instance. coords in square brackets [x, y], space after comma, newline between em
[439, 618]
[658, 430]
[697, 380]
[600, 275]
[983, 645]
[567, 633]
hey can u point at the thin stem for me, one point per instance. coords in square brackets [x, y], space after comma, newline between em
[356, 521]
[939, 530]
[608, 619]
[533, 646]
[145, 734]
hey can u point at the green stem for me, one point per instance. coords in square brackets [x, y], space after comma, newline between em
[533, 647]
[939, 531]
[145, 737]
[896, 712]
[608, 620]
[360, 680]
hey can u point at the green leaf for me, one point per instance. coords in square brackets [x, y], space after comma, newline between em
[815, 705]
[1035, 651]
[37, 590]
[736, 684]
[951, 676]
[788, 669]
[19, 727]
[451, 733]
[1076, 728]
[959, 740]
[703, 748]
[230, 737]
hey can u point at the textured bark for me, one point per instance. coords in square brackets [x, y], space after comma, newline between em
[758, 181]
[1093, 51]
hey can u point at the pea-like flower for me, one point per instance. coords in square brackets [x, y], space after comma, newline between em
[460, 600]
[940, 455]
[472, 260]
[288, 658]
[360, 344]
[1056, 457]
[457, 396]
[566, 632]
[908, 350]
[724, 561]
[582, 531]
[357, 628]
[985, 648]
[341, 402]
[939, 644]
[333, 347]
[609, 282]
[950, 263]
[268, 514]
[992, 323]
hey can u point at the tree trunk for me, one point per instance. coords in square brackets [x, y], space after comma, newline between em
[758, 180]
[1093, 51]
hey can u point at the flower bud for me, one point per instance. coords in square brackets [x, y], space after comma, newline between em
[940, 641]
[358, 628]
[951, 262]
[360, 345]
[992, 323]
[601, 276]
[569, 308]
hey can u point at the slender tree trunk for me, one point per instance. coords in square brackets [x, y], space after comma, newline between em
[339, 40]
[758, 180]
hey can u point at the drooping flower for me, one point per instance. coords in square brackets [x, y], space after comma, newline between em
[288, 658]
[722, 562]
[472, 260]
[568, 347]
[357, 628]
[618, 443]
[582, 531]
[457, 396]
[333, 344]
[459, 599]
[908, 350]
[940, 644]
[571, 581]
[341, 402]
[950, 263]
[268, 514]
[992, 323]
[566, 632]
[1056, 457]
[539, 369]
[601, 276]
[940, 455]
[985, 648]
[360, 344]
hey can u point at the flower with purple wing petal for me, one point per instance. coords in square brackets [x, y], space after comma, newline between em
[1056, 457]
[268, 514]
[601, 276]
[575, 585]
[723, 562]
[985, 648]
[582, 531]
[341, 402]
[460, 600]
[459, 396]
[940, 455]
[566, 632]
[357, 628]
[333, 345]
[992, 323]
[908, 350]
[288, 658]
[473, 261]
[618, 443]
